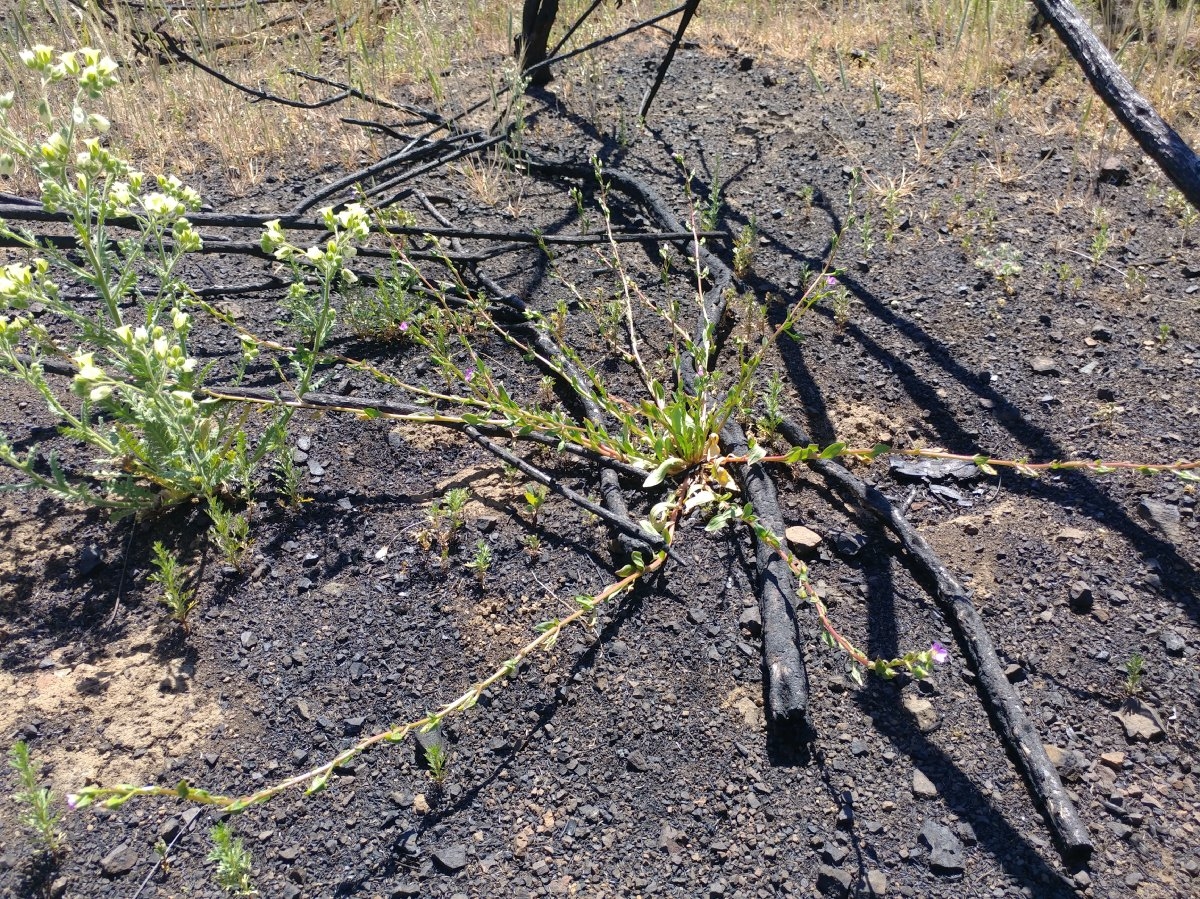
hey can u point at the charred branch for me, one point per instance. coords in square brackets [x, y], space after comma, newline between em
[1158, 139]
[1013, 726]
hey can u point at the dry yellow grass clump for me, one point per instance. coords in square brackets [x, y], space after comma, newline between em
[936, 59]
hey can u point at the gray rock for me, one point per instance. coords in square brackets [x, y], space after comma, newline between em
[922, 786]
[248, 640]
[1044, 365]
[1140, 720]
[1113, 171]
[290, 891]
[935, 469]
[352, 727]
[1081, 597]
[849, 545]
[406, 890]
[834, 853]
[833, 882]
[169, 830]
[945, 849]
[1172, 642]
[58, 889]
[1163, 516]
[636, 761]
[922, 710]
[90, 558]
[751, 621]
[877, 882]
[119, 861]
[452, 858]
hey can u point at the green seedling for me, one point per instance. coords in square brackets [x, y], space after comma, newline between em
[535, 498]
[446, 518]
[233, 862]
[772, 397]
[37, 814]
[482, 561]
[533, 545]
[710, 212]
[1003, 263]
[230, 533]
[172, 581]
[1101, 240]
[743, 249]
[438, 760]
[1134, 669]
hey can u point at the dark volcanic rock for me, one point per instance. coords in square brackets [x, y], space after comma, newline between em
[120, 861]
[945, 849]
[452, 858]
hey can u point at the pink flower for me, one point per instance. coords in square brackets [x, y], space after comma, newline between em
[468, 375]
[831, 281]
[938, 653]
[403, 326]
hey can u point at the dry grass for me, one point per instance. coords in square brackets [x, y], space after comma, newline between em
[930, 60]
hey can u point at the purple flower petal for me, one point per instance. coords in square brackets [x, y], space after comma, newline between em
[939, 653]
[831, 281]
[468, 375]
[403, 326]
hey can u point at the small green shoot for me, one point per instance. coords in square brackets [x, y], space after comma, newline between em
[233, 861]
[1003, 263]
[37, 815]
[438, 760]
[772, 416]
[230, 533]
[482, 561]
[1134, 669]
[171, 579]
[535, 498]
[743, 249]
[1101, 240]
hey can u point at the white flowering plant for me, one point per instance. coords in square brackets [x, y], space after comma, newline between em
[310, 305]
[112, 305]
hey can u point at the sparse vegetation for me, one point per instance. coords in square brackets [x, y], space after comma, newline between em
[576, 355]
[38, 814]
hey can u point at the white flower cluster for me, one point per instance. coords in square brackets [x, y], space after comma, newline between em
[150, 348]
[352, 223]
[92, 71]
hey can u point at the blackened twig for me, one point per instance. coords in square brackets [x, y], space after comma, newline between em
[684, 21]
[1013, 725]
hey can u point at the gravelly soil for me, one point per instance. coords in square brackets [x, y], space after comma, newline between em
[634, 761]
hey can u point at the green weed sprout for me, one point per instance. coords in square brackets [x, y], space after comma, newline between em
[743, 249]
[772, 400]
[438, 760]
[1003, 263]
[535, 498]
[38, 815]
[482, 561]
[1134, 668]
[172, 581]
[233, 861]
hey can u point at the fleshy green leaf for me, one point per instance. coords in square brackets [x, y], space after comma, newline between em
[832, 451]
[656, 477]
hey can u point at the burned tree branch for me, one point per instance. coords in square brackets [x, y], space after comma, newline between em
[1014, 728]
[684, 21]
[1158, 139]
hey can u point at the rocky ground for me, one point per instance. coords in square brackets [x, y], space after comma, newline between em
[991, 309]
